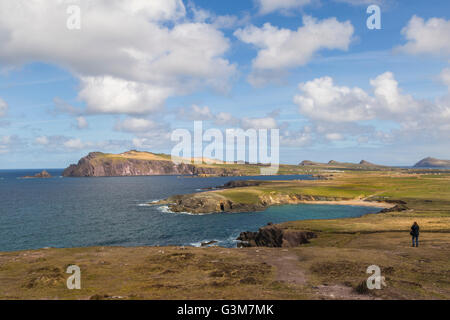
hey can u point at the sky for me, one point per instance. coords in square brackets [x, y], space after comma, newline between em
[108, 75]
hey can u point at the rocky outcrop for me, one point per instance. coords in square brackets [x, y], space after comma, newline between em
[432, 163]
[42, 175]
[203, 203]
[309, 163]
[274, 237]
[97, 164]
[241, 183]
[213, 202]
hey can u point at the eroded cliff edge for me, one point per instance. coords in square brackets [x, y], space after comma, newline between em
[133, 163]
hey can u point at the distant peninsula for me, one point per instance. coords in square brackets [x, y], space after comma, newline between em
[432, 163]
[137, 163]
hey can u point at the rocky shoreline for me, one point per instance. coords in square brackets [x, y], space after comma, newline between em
[213, 202]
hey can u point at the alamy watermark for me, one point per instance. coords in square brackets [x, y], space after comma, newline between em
[73, 11]
[374, 21]
[375, 281]
[74, 281]
[252, 146]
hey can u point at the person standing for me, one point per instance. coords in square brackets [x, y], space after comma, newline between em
[415, 234]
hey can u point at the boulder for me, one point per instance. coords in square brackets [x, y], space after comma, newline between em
[274, 237]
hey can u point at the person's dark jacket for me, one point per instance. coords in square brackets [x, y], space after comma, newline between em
[415, 230]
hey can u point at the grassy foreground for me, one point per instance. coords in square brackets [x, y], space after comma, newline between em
[332, 266]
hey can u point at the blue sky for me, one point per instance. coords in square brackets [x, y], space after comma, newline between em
[135, 71]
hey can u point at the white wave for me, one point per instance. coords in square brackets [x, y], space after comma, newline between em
[199, 244]
[166, 209]
[144, 205]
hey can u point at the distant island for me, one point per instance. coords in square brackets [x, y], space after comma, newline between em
[42, 175]
[363, 164]
[432, 163]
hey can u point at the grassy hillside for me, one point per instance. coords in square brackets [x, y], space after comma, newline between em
[332, 266]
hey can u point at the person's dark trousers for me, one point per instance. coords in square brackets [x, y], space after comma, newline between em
[416, 238]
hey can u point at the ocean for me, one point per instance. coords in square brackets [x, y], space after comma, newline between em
[114, 211]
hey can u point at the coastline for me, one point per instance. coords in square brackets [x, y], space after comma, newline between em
[359, 203]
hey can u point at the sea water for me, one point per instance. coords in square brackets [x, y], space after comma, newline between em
[114, 211]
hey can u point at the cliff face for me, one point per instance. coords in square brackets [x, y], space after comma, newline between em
[100, 165]
[212, 202]
[432, 163]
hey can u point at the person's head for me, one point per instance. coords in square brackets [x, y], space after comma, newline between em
[415, 223]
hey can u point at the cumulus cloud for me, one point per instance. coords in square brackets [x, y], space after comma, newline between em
[297, 139]
[445, 77]
[195, 112]
[321, 99]
[280, 49]
[225, 118]
[427, 37]
[76, 144]
[269, 6]
[61, 143]
[43, 140]
[338, 110]
[259, 123]
[82, 123]
[136, 125]
[334, 136]
[147, 133]
[134, 54]
[3, 107]
[9, 143]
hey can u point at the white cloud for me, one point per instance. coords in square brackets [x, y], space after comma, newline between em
[82, 123]
[339, 111]
[9, 143]
[225, 118]
[269, 6]
[75, 144]
[445, 77]
[43, 140]
[136, 125]
[334, 136]
[280, 49]
[3, 107]
[70, 144]
[296, 139]
[149, 50]
[427, 37]
[321, 99]
[259, 123]
[195, 112]
[114, 95]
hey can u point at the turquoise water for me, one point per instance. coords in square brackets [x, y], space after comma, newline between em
[76, 212]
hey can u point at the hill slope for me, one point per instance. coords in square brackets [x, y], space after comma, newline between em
[432, 163]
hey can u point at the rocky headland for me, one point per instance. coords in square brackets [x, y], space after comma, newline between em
[432, 163]
[134, 163]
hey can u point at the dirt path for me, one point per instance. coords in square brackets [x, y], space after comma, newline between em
[289, 270]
